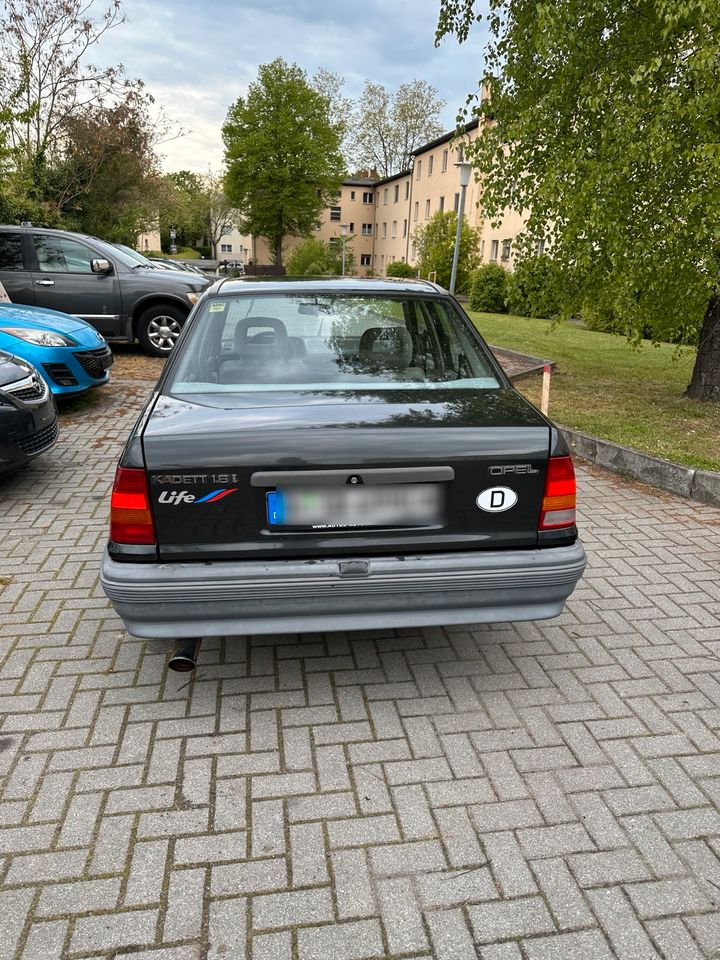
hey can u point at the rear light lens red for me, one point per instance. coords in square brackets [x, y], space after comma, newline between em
[559, 499]
[130, 517]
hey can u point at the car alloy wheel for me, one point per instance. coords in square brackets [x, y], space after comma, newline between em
[162, 333]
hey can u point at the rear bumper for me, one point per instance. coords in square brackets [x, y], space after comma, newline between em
[178, 600]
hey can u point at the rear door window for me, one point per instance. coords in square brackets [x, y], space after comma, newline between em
[330, 342]
[11, 252]
[62, 255]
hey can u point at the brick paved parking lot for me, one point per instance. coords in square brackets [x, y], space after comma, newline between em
[545, 791]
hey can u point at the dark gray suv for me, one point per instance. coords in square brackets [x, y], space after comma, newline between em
[95, 281]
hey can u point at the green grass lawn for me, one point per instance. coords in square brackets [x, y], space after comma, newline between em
[603, 386]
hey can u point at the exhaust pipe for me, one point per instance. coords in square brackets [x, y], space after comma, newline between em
[185, 659]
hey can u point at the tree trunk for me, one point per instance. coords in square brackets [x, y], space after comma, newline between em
[705, 382]
[278, 252]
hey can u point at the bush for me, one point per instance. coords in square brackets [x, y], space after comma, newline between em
[488, 287]
[435, 245]
[533, 288]
[313, 258]
[185, 253]
[400, 269]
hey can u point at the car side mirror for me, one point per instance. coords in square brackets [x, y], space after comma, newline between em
[101, 266]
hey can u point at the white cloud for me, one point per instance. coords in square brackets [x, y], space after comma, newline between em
[196, 60]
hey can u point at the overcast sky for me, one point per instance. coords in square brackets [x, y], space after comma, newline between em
[196, 58]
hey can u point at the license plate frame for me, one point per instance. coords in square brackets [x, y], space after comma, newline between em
[280, 505]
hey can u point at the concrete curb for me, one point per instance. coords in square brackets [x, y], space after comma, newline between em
[700, 485]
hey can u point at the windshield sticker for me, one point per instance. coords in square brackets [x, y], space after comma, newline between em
[217, 307]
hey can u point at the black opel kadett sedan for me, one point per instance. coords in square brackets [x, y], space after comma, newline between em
[337, 454]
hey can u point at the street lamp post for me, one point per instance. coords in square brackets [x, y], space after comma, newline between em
[343, 233]
[464, 169]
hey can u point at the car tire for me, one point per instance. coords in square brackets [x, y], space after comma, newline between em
[159, 327]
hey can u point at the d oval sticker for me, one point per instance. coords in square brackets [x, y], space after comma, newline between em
[496, 499]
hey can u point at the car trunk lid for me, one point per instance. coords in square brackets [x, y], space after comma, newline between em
[216, 461]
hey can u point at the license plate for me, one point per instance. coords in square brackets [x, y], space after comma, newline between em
[327, 508]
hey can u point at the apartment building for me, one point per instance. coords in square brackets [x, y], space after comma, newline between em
[381, 217]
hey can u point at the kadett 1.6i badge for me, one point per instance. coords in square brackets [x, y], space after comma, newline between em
[332, 455]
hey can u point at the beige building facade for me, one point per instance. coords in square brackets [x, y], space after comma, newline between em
[380, 219]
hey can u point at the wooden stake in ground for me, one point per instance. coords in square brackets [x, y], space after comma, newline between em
[545, 397]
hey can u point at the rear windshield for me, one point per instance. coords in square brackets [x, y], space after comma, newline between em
[311, 342]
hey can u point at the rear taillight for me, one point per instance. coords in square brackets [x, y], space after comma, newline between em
[558, 505]
[130, 517]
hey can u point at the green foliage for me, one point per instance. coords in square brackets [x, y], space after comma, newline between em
[488, 287]
[399, 268]
[108, 183]
[603, 124]
[435, 243]
[282, 151]
[386, 127]
[184, 207]
[631, 395]
[534, 288]
[313, 258]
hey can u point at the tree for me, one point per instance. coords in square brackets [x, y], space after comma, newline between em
[435, 244]
[184, 208]
[387, 127]
[340, 108]
[603, 124]
[43, 46]
[107, 181]
[313, 258]
[221, 215]
[282, 151]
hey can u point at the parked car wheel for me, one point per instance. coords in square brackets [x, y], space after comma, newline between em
[159, 327]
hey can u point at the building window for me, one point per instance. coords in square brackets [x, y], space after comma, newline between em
[444, 160]
[384, 231]
[417, 210]
[427, 209]
[431, 164]
[394, 228]
[364, 259]
[382, 259]
[367, 198]
[397, 192]
[367, 229]
[407, 189]
[385, 195]
[336, 213]
[482, 249]
[506, 250]
[404, 228]
[352, 227]
[352, 194]
[456, 203]
[225, 248]
[418, 169]
[377, 230]
[494, 250]
[539, 248]
[441, 205]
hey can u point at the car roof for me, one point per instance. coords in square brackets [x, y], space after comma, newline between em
[240, 286]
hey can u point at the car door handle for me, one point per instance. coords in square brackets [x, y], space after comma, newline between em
[45, 283]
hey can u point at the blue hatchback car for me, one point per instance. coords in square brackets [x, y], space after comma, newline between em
[70, 354]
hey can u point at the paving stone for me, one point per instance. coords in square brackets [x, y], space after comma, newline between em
[355, 940]
[291, 909]
[530, 790]
[450, 936]
[510, 918]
